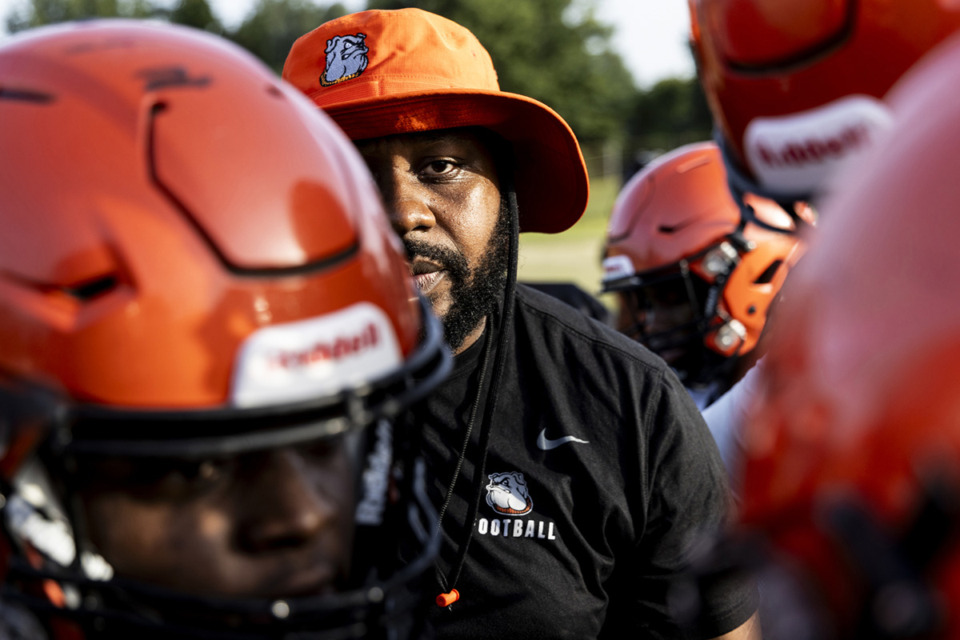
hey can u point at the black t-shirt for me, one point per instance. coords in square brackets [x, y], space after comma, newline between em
[598, 474]
[576, 297]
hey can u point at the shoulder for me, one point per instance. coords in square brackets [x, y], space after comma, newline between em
[576, 297]
[548, 322]
[569, 350]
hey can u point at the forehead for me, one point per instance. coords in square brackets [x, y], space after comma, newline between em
[468, 139]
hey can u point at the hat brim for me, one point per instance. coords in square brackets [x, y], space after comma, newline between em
[551, 177]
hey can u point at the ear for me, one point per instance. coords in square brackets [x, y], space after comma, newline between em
[332, 44]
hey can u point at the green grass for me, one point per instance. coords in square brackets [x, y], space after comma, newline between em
[574, 255]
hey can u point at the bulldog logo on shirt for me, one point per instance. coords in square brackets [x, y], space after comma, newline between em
[346, 58]
[507, 493]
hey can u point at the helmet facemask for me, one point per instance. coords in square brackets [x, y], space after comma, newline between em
[700, 340]
[64, 452]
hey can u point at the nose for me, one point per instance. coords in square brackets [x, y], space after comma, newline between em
[407, 201]
[285, 506]
[666, 317]
[656, 322]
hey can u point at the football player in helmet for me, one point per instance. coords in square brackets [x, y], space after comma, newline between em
[796, 89]
[207, 329]
[851, 454]
[695, 283]
[797, 86]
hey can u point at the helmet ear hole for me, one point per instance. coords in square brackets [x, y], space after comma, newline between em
[767, 276]
[93, 288]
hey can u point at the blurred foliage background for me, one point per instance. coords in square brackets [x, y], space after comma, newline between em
[556, 51]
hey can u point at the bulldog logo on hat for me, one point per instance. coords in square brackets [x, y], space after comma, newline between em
[346, 58]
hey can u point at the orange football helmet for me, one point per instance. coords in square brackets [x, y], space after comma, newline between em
[797, 86]
[676, 233]
[851, 456]
[195, 262]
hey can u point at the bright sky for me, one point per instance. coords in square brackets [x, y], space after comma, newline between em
[651, 35]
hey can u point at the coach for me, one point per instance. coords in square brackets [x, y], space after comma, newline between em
[572, 471]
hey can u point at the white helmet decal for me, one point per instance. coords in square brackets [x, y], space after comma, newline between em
[316, 357]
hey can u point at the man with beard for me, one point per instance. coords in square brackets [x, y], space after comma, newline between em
[572, 471]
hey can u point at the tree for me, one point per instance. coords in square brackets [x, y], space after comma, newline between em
[196, 13]
[671, 113]
[41, 12]
[273, 26]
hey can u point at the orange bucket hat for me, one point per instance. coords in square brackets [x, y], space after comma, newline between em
[380, 73]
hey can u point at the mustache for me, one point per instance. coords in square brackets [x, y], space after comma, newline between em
[453, 261]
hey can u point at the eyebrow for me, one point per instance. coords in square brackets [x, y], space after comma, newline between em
[435, 135]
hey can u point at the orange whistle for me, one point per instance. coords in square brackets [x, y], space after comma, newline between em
[447, 599]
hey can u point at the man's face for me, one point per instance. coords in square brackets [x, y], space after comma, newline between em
[269, 524]
[442, 193]
[662, 317]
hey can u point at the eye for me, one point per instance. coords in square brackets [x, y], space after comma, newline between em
[441, 167]
[178, 478]
[153, 479]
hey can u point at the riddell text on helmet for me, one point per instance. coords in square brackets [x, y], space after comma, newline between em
[342, 346]
[813, 150]
[798, 152]
[305, 359]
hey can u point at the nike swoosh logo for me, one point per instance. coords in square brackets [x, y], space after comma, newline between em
[547, 444]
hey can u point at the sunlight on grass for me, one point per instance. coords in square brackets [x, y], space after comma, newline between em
[574, 255]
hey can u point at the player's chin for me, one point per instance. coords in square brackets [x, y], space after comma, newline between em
[294, 581]
[275, 574]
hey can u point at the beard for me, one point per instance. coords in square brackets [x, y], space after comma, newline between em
[474, 292]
